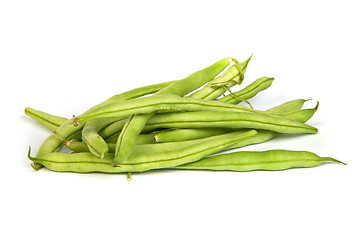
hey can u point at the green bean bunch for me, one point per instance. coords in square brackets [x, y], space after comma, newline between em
[183, 124]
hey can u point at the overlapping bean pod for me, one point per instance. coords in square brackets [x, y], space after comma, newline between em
[170, 130]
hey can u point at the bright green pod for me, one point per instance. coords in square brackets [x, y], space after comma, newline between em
[302, 115]
[290, 106]
[249, 91]
[50, 121]
[90, 135]
[271, 160]
[235, 120]
[188, 134]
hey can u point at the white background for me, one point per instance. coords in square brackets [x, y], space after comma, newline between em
[62, 57]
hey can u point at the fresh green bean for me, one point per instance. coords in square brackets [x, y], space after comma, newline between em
[141, 139]
[188, 134]
[301, 115]
[265, 160]
[52, 122]
[206, 119]
[87, 162]
[90, 135]
[249, 91]
[290, 106]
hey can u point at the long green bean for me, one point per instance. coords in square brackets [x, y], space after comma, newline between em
[266, 160]
[87, 162]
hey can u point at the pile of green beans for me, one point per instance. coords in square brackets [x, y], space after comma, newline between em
[183, 124]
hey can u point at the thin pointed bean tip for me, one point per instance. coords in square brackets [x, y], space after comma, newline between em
[33, 164]
[35, 167]
[308, 99]
[337, 161]
[317, 105]
[314, 130]
[29, 153]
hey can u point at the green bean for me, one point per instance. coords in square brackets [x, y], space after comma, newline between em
[301, 115]
[249, 91]
[206, 119]
[83, 147]
[288, 106]
[87, 162]
[266, 160]
[112, 129]
[90, 135]
[50, 121]
[141, 139]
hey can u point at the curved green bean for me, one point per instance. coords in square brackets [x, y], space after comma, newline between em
[206, 119]
[178, 135]
[266, 160]
[90, 135]
[293, 105]
[249, 91]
